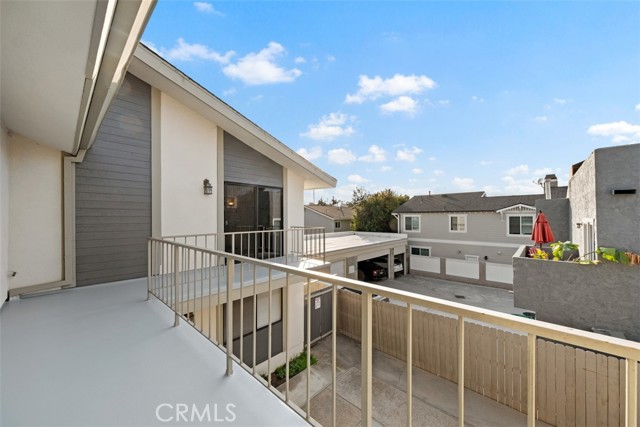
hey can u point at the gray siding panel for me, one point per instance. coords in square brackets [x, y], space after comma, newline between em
[113, 192]
[244, 165]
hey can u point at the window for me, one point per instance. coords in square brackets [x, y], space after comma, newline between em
[520, 225]
[411, 223]
[337, 225]
[458, 223]
[420, 251]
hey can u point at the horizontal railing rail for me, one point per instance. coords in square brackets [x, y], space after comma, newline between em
[202, 286]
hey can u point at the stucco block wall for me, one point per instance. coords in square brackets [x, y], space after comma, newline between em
[618, 216]
[558, 212]
[582, 196]
[457, 250]
[35, 213]
[4, 215]
[580, 296]
[188, 155]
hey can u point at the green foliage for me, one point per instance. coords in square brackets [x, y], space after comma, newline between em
[537, 253]
[296, 365]
[372, 212]
[559, 248]
[609, 254]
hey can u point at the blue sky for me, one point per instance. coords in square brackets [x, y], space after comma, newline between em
[419, 96]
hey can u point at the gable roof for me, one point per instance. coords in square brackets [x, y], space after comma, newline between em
[336, 213]
[476, 201]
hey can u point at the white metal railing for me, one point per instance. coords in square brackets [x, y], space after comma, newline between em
[274, 245]
[186, 277]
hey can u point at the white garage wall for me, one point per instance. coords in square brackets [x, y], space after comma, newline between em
[35, 213]
[188, 155]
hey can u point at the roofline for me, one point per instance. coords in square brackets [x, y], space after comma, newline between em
[155, 70]
[515, 206]
[325, 215]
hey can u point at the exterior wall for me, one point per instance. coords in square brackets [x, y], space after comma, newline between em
[486, 235]
[113, 191]
[580, 296]
[4, 215]
[244, 165]
[618, 215]
[314, 219]
[344, 225]
[558, 212]
[35, 213]
[582, 196]
[188, 155]
[293, 200]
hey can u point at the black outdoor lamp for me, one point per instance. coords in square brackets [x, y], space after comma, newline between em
[208, 188]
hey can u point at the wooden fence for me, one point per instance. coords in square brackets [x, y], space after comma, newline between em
[574, 387]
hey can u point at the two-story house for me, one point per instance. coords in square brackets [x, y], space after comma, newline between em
[332, 218]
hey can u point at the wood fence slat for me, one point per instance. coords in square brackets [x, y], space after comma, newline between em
[476, 378]
[493, 363]
[524, 357]
[590, 384]
[622, 370]
[453, 339]
[417, 338]
[560, 386]
[467, 354]
[601, 390]
[509, 351]
[500, 367]
[570, 385]
[581, 388]
[550, 354]
[613, 388]
[541, 380]
[486, 363]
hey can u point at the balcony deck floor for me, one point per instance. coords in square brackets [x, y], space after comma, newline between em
[102, 355]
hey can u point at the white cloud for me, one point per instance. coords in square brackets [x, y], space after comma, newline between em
[331, 58]
[621, 132]
[637, 107]
[541, 172]
[620, 139]
[402, 104]
[261, 67]
[184, 51]
[357, 179]
[229, 92]
[438, 172]
[341, 156]
[561, 101]
[518, 170]
[300, 60]
[520, 186]
[416, 171]
[376, 155]
[310, 154]
[330, 126]
[485, 162]
[444, 102]
[432, 158]
[463, 183]
[386, 169]
[408, 154]
[477, 99]
[370, 88]
[541, 119]
[205, 7]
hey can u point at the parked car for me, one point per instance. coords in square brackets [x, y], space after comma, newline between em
[369, 270]
[382, 262]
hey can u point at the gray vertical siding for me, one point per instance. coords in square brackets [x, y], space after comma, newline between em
[113, 191]
[244, 165]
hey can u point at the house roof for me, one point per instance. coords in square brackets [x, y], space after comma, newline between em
[336, 213]
[476, 201]
[155, 70]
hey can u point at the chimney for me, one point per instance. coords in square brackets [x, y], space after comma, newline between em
[550, 181]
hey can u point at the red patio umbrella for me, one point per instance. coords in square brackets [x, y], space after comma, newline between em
[541, 230]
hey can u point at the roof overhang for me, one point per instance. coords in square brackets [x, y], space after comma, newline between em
[160, 74]
[62, 63]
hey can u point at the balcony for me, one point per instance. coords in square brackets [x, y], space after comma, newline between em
[105, 355]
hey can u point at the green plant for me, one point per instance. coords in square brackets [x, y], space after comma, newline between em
[609, 254]
[537, 253]
[296, 365]
[559, 248]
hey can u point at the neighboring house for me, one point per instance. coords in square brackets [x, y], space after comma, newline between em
[332, 218]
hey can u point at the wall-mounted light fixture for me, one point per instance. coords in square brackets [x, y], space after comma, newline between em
[208, 188]
[579, 225]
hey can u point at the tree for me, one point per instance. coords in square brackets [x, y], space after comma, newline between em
[359, 194]
[373, 211]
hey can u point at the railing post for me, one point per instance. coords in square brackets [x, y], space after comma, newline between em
[334, 351]
[149, 268]
[409, 364]
[176, 280]
[367, 358]
[631, 417]
[461, 371]
[531, 381]
[230, 266]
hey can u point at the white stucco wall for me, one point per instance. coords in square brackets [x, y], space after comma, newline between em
[188, 155]
[4, 215]
[35, 213]
[293, 199]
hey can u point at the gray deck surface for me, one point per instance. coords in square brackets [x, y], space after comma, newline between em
[102, 355]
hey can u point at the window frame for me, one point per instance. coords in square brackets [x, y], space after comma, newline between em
[466, 223]
[520, 215]
[428, 248]
[404, 223]
[337, 225]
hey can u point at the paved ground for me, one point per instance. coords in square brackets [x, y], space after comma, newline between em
[434, 399]
[476, 295]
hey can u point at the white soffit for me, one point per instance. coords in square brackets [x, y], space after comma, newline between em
[160, 74]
